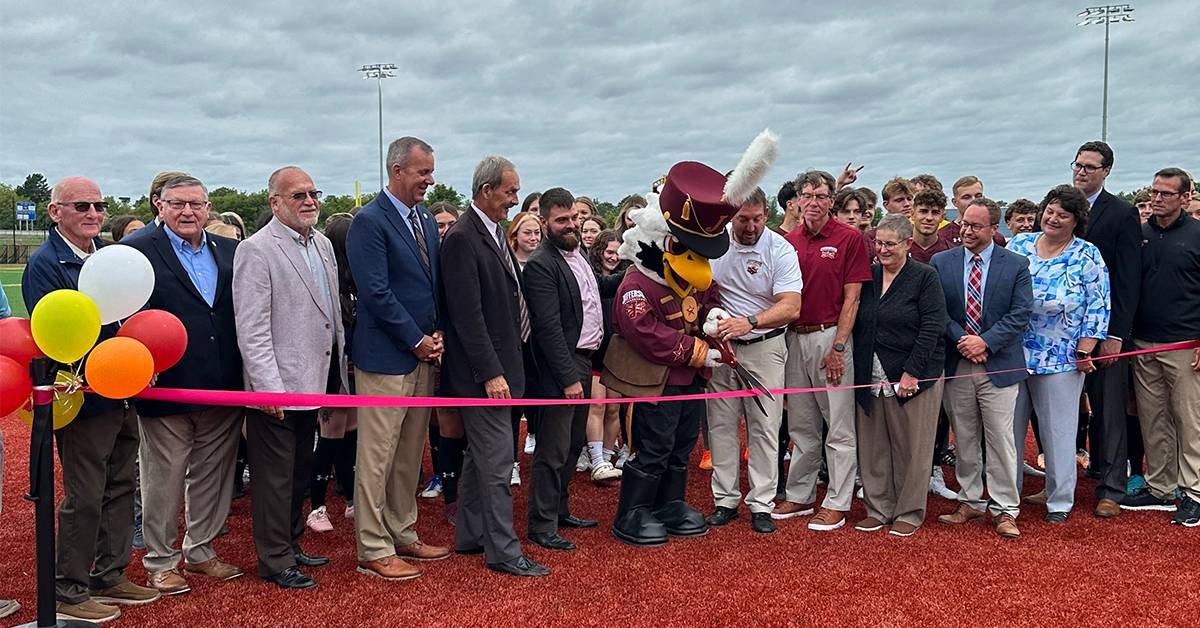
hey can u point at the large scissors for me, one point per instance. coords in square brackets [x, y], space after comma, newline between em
[747, 379]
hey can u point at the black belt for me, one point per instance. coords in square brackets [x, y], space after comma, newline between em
[771, 334]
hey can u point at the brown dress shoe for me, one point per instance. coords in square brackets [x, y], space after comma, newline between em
[961, 515]
[126, 593]
[787, 510]
[870, 524]
[168, 582]
[420, 551]
[903, 528]
[389, 568]
[214, 568]
[1006, 526]
[87, 610]
[1037, 499]
[1107, 509]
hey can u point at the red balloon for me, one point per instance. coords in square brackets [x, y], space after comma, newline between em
[15, 385]
[16, 341]
[161, 332]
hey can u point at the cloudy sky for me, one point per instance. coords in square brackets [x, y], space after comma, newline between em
[600, 97]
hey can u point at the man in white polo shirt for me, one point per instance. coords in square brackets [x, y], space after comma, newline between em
[760, 287]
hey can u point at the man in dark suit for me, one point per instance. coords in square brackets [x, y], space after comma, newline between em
[392, 248]
[989, 297]
[489, 323]
[563, 293]
[1114, 228]
[188, 444]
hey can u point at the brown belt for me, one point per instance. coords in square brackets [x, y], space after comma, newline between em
[809, 329]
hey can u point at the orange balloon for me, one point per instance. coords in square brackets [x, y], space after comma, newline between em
[119, 368]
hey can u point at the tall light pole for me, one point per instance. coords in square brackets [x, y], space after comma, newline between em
[379, 71]
[1106, 15]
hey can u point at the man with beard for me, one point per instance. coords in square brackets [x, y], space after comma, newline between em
[563, 296]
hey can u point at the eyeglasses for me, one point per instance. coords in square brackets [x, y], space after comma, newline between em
[1163, 193]
[815, 197]
[83, 206]
[180, 205]
[300, 196]
[1088, 168]
[884, 244]
[970, 226]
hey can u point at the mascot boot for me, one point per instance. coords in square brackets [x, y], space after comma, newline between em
[635, 524]
[669, 507]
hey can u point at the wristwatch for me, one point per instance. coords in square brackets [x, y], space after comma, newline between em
[1082, 355]
[753, 321]
[839, 347]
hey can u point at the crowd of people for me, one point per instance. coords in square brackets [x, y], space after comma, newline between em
[913, 326]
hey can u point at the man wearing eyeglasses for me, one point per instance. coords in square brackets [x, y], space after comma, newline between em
[98, 448]
[1114, 228]
[189, 444]
[289, 324]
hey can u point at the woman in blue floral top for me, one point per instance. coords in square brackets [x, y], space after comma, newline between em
[1071, 307]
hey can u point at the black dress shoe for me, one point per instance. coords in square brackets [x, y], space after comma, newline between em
[551, 540]
[308, 561]
[762, 522]
[291, 578]
[470, 551]
[721, 516]
[1055, 517]
[520, 566]
[571, 521]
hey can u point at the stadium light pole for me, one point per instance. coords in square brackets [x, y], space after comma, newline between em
[1107, 15]
[379, 71]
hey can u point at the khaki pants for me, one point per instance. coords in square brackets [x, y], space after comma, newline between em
[390, 444]
[895, 445]
[807, 412]
[982, 415]
[1168, 399]
[765, 360]
[186, 457]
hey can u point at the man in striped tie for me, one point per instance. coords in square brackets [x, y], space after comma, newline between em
[989, 298]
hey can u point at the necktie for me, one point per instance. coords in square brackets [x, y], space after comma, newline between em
[525, 327]
[975, 296]
[419, 235]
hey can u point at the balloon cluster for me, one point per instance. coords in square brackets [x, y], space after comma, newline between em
[114, 283]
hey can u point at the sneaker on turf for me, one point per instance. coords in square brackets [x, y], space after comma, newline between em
[706, 461]
[318, 521]
[349, 514]
[605, 472]
[1188, 514]
[1145, 500]
[87, 610]
[937, 485]
[434, 489]
[1135, 484]
[530, 443]
[126, 593]
[827, 519]
[585, 461]
[622, 457]
[516, 475]
[787, 510]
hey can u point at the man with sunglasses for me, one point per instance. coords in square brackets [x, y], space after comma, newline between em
[1113, 227]
[98, 448]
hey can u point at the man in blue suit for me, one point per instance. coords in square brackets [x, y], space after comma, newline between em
[989, 298]
[392, 248]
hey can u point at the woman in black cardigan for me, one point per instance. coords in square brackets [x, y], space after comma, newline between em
[898, 338]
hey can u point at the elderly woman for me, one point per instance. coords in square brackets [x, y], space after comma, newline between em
[899, 352]
[1071, 309]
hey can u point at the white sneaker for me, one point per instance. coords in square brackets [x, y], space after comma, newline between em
[349, 514]
[937, 485]
[605, 472]
[516, 476]
[859, 494]
[622, 457]
[585, 461]
[530, 443]
[318, 521]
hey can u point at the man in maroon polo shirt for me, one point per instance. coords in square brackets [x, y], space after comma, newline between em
[929, 210]
[834, 263]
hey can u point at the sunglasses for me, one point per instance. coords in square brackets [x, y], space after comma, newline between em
[83, 206]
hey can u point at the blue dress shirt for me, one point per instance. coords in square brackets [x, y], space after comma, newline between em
[199, 264]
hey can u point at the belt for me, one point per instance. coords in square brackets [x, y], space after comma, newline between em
[809, 329]
[587, 353]
[771, 334]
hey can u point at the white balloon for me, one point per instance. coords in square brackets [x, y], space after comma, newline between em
[119, 279]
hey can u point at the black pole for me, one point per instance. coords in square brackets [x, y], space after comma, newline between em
[41, 493]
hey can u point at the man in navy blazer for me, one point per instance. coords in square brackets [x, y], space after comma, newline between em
[392, 248]
[989, 298]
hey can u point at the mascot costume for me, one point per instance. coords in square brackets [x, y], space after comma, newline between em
[666, 304]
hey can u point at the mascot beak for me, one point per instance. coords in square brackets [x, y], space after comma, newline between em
[686, 270]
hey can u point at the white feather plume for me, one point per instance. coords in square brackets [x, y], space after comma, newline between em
[755, 163]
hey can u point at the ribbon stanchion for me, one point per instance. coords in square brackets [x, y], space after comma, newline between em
[242, 398]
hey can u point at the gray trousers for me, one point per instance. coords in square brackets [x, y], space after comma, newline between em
[189, 458]
[766, 361]
[1055, 398]
[95, 517]
[560, 433]
[895, 444]
[485, 507]
[982, 416]
[809, 412]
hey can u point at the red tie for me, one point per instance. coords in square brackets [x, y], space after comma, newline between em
[975, 296]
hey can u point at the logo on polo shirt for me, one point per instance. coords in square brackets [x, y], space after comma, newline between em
[753, 266]
[829, 252]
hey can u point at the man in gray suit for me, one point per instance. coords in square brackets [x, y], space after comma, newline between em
[289, 332]
[989, 298]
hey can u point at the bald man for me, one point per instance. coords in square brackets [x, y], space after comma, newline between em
[98, 448]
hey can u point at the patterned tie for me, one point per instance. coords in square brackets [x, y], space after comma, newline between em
[975, 296]
[525, 327]
[419, 234]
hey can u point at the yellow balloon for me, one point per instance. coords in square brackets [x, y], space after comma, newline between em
[66, 406]
[65, 325]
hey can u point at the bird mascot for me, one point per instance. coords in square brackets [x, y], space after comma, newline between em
[667, 303]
